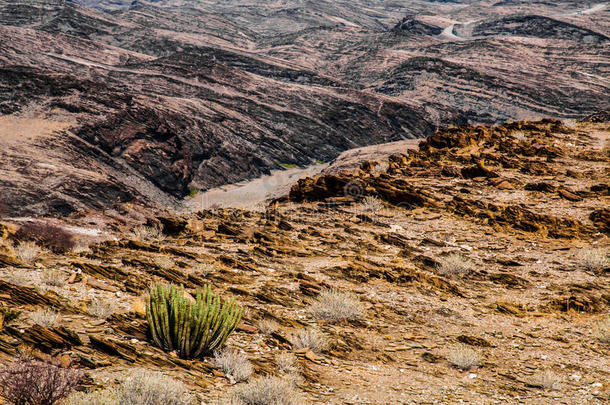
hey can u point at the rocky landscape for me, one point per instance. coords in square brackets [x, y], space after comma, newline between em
[148, 102]
[474, 268]
[409, 200]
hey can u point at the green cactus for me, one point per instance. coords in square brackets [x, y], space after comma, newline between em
[192, 329]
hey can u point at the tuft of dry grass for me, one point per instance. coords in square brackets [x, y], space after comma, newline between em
[545, 379]
[371, 204]
[267, 326]
[286, 363]
[164, 262]
[102, 397]
[27, 252]
[267, 391]
[53, 277]
[143, 232]
[593, 259]
[45, 317]
[463, 357]
[601, 330]
[101, 308]
[146, 387]
[455, 264]
[334, 306]
[308, 339]
[202, 269]
[234, 364]
[519, 135]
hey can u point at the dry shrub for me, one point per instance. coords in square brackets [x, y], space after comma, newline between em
[101, 308]
[308, 339]
[53, 277]
[601, 330]
[143, 232]
[234, 364]
[543, 379]
[464, 358]
[202, 269]
[286, 363]
[45, 317]
[593, 259]
[455, 264]
[103, 397]
[266, 391]
[146, 387]
[332, 305]
[371, 204]
[32, 382]
[164, 262]
[267, 326]
[52, 237]
[27, 252]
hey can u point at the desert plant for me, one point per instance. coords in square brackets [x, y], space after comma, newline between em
[101, 308]
[286, 363]
[371, 204]
[332, 305]
[267, 326]
[464, 358]
[593, 259]
[27, 252]
[267, 391]
[143, 232]
[50, 236]
[164, 262]
[543, 379]
[32, 382]
[308, 339]
[190, 328]
[234, 364]
[144, 387]
[202, 269]
[455, 264]
[101, 397]
[53, 277]
[45, 317]
[601, 330]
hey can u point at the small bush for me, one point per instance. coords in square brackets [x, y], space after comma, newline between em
[601, 330]
[53, 277]
[543, 379]
[371, 204]
[164, 262]
[286, 363]
[50, 236]
[593, 259]
[102, 397]
[45, 317]
[146, 387]
[267, 326]
[143, 232]
[267, 391]
[332, 305]
[190, 328]
[32, 382]
[234, 364]
[101, 308]
[202, 269]
[308, 339]
[464, 358]
[27, 252]
[455, 264]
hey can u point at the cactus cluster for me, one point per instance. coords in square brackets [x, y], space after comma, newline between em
[191, 329]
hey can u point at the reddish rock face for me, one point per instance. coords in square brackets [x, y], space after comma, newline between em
[159, 99]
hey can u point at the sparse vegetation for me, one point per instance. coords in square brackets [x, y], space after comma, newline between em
[543, 379]
[164, 262]
[455, 264]
[101, 397]
[518, 135]
[464, 358]
[308, 339]
[143, 232]
[52, 237]
[45, 317]
[286, 363]
[334, 306]
[190, 328]
[32, 382]
[146, 387]
[601, 330]
[202, 269]
[53, 277]
[371, 204]
[266, 391]
[234, 364]
[267, 326]
[101, 308]
[593, 259]
[27, 252]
